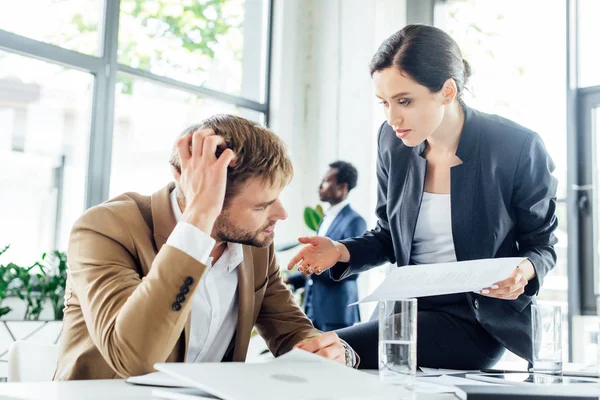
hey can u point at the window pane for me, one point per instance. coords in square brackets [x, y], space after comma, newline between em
[72, 24]
[596, 157]
[147, 122]
[44, 131]
[589, 32]
[219, 44]
[520, 73]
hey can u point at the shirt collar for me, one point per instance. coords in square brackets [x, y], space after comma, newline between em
[335, 210]
[233, 254]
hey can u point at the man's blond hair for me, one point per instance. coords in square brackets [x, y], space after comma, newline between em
[259, 152]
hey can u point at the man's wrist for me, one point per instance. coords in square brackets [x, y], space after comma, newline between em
[202, 221]
[351, 357]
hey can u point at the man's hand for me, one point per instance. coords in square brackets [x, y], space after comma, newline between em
[327, 345]
[514, 285]
[203, 178]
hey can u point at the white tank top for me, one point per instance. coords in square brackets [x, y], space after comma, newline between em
[432, 242]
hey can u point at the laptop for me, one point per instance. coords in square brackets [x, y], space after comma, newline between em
[296, 375]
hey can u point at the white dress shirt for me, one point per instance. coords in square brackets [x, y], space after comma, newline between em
[330, 215]
[215, 303]
[433, 242]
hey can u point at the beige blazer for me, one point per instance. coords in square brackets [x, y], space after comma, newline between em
[123, 281]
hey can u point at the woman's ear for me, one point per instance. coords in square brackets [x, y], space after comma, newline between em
[449, 91]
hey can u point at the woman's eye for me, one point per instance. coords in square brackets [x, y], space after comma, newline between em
[404, 102]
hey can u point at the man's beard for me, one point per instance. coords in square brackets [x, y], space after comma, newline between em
[225, 231]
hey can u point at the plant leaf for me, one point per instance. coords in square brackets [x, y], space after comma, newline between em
[311, 219]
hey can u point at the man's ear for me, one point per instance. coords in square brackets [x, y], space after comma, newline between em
[343, 188]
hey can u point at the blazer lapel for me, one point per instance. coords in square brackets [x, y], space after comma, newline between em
[162, 215]
[245, 305]
[337, 221]
[463, 185]
[462, 180]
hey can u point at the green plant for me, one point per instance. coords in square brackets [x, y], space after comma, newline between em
[35, 284]
[53, 287]
[313, 217]
[4, 282]
[26, 286]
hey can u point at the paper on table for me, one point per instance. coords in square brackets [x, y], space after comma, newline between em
[157, 379]
[445, 278]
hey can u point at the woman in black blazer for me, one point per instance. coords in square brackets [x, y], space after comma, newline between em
[454, 184]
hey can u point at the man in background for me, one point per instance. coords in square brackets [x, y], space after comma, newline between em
[326, 301]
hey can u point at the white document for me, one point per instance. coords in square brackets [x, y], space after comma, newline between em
[156, 379]
[445, 278]
[298, 375]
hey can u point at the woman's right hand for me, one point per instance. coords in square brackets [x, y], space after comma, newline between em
[318, 255]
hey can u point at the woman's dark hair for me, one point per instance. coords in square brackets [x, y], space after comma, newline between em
[427, 54]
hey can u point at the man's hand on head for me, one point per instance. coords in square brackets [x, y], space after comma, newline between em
[203, 177]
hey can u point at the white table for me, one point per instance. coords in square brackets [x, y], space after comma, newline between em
[113, 389]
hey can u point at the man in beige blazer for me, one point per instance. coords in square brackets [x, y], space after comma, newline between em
[185, 274]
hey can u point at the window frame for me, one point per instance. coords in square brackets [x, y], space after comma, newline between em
[105, 68]
[583, 284]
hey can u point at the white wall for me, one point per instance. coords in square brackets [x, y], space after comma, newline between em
[322, 101]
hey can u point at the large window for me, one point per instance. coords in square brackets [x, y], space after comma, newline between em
[588, 30]
[520, 73]
[71, 24]
[44, 133]
[147, 123]
[93, 94]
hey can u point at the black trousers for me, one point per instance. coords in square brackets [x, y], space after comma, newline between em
[443, 341]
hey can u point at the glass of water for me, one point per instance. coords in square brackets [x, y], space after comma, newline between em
[547, 338]
[398, 341]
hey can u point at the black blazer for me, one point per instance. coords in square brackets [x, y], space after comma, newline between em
[503, 199]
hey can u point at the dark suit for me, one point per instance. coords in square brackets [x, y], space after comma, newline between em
[503, 201]
[326, 300]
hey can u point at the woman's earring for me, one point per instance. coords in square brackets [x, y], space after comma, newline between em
[447, 100]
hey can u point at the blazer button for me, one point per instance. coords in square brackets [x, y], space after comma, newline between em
[176, 306]
[189, 280]
[476, 304]
[180, 298]
[185, 289]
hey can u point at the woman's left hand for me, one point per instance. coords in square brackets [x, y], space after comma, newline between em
[514, 285]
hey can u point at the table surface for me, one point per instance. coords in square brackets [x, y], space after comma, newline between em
[114, 389]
